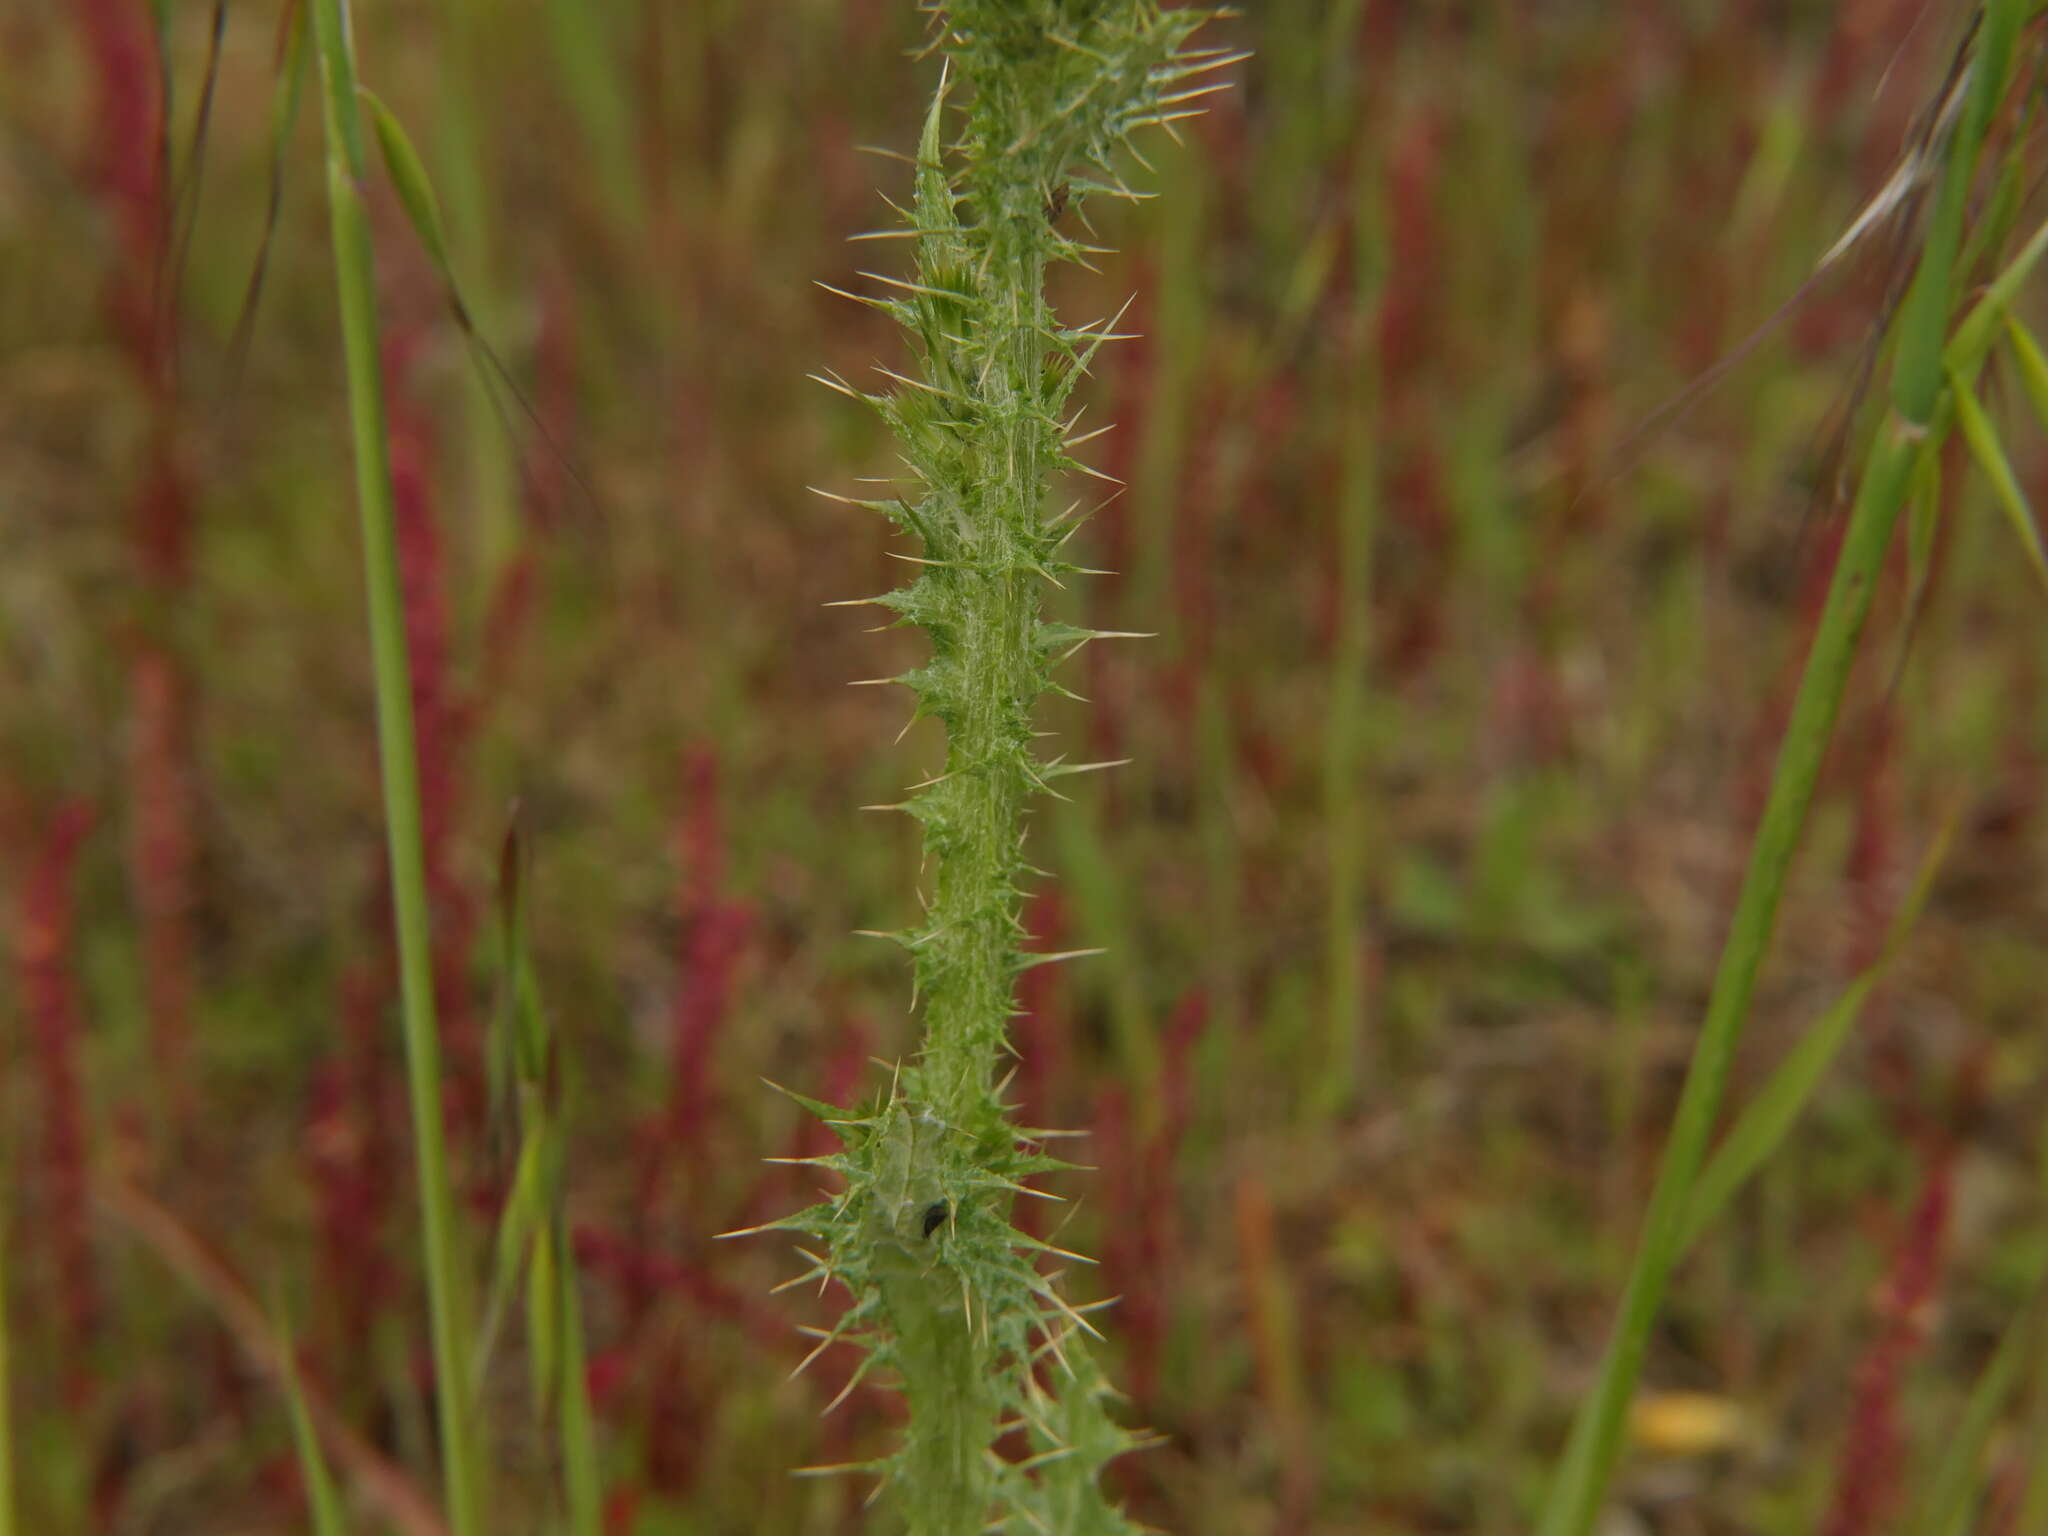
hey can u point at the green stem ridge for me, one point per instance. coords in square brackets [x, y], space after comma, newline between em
[1923, 323]
[946, 1292]
[355, 285]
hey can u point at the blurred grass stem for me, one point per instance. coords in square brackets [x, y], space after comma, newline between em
[1577, 1494]
[355, 286]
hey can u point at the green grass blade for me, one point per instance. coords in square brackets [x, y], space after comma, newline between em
[584, 53]
[1769, 1117]
[292, 57]
[1581, 1483]
[1579, 1488]
[517, 1223]
[2033, 368]
[408, 173]
[1924, 316]
[2033, 1502]
[578, 1425]
[1992, 224]
[543, 1321]
[1985, 447]
[355, 285]
[518, 1054]
[1972, 341]
[533, 1242]
[1923, 521]
[321, 1499]
[415, 189]
[1945, 1508]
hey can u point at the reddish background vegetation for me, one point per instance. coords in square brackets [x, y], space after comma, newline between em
[1445, 757]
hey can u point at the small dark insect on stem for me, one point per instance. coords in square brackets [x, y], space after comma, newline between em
[1056, 204]
[935, 1216]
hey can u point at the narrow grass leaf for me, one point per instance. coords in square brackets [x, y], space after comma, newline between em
[577, 1425]
[1578, 1490]
[2033, 1500]
[543, 1322]
[293, 53]
[408, 173]
[1982, 437]
[2033, 368]
[1945, 1508]
[1990, 227]
[517, 1222]
[1973, 338]
[1769, 1117]
[1923, 521]
[398, 762]
[322, 1501]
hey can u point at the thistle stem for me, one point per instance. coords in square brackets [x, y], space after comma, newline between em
[946, 1292]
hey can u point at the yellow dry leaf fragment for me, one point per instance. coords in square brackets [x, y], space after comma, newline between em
[1687, 1423]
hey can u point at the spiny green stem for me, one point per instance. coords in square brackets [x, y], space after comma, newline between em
[355, 286]
[945, 1291]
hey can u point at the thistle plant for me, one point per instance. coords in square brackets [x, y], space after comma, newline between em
[946, 1293]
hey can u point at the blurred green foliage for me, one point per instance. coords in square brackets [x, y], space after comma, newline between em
[1444, 761]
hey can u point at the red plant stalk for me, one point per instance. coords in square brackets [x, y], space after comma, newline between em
[1418, 508]
[714, 933]
[605, 1256]
[714, 939]
[622, 1509]
[1279, 1365]
[360, 1183]
[347, 1225]
[162, 856]
[127, 170]
[1141, 1250]
[352, 1155]
[127, 173]
[44, 960]
[1867, 1476]
[676, 1428]
[1873, 847]
[1407, 317]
